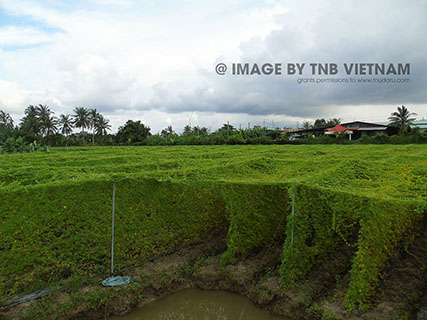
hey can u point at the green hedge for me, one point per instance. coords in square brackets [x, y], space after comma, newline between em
[55, 208]
[384, 227]
[51, 232]
[257, 215]
[322, 221]
[325, 219]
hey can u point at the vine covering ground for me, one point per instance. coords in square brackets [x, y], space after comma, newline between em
[55, 208]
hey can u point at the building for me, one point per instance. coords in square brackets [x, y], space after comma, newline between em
[354, 130]
[422, 124]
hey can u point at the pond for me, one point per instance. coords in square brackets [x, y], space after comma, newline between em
[200, 305]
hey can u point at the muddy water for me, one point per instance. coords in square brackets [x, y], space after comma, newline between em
[200, 305]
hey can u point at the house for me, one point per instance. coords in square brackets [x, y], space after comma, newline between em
[361, 128]
[422, 124]
[354, 130]
[339, 129]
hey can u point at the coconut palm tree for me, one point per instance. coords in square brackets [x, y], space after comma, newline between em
[81, 119]
[306, 125]
[401, 119]
[66, 123]
[46, 119]
[30, 123]
[6, 125]
[102, 125]
[5, 119]
[167, 132]
[187, 130]
[93, 121]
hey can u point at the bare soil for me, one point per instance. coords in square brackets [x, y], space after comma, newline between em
[400, 296]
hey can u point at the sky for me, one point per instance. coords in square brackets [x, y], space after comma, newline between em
[155, 61]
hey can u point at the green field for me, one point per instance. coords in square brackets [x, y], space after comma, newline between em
[55, 208]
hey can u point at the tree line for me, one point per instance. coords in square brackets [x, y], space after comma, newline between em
[39, 121]
[40, 128]
[319, 123]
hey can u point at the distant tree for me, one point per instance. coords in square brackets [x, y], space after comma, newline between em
[200, 131]
[167, 132]
[30, 123]
[401, 119]
[93, 121]
[6, 125]
[132, 131]
[341, 136]
[81, 119]
[203, 131]
[66, 126]
[318, 123]
[333, 122]
[66, 123]
[226, 130]
[187, 131]
[46, 120]
[196, 130]
[102, 125]
[306, 125]
[256, 132]
[6, 119]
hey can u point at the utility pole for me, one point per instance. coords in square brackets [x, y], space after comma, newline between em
[112, 229]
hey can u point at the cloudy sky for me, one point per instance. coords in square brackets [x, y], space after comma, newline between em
[155, 60]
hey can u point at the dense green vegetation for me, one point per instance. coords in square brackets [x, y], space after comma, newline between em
[55, 208]
[40, 129]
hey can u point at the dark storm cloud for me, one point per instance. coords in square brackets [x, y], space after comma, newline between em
[335, 32]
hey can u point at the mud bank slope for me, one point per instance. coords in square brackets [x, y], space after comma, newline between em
[402, 293]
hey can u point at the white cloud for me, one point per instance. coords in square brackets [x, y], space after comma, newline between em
[113, 60]
[129, 59]
[18, 36]
[12, 96]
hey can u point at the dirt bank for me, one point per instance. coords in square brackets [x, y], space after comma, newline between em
[401, 295]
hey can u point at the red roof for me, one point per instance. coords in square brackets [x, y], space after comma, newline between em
[338, 128]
